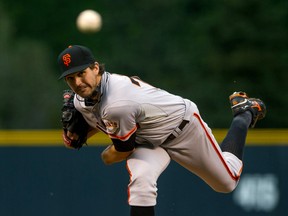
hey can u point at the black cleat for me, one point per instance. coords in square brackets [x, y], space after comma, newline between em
[240, 102]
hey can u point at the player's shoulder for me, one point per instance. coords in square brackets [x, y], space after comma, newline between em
[117, 84]
[125, 81]
[118, 77]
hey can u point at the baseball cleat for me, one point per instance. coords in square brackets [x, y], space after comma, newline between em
[240, 102]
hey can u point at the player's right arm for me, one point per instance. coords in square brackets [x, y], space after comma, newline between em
[74, 136]
[70, 136]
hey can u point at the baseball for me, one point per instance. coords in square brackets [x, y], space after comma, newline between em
[89, 21]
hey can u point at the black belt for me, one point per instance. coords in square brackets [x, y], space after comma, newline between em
[180, 127]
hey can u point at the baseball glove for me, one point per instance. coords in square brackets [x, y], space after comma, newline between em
[73, 121]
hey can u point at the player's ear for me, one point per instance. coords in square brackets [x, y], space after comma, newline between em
[96, 67]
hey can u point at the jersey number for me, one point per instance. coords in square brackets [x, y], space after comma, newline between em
[135, 82]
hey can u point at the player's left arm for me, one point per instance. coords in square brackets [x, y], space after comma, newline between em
[110, 155]
[119, 150]
[120, 122]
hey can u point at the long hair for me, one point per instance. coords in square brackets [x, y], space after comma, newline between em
[101, 68]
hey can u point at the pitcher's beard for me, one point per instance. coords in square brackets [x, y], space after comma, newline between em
[94, 94]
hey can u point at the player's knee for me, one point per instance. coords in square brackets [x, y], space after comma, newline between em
[226, 187]
[224, 190]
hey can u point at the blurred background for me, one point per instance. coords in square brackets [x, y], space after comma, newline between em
[203, 50]
[200, 49]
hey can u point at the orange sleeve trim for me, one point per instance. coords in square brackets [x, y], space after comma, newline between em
[234, 177]
[125, 136]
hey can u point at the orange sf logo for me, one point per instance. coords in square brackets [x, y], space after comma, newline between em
[66, 59]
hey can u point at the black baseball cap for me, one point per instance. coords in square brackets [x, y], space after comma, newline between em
[75, 58]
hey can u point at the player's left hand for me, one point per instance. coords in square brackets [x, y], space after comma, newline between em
[110, 155]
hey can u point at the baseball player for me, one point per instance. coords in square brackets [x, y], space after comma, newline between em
[149, 127]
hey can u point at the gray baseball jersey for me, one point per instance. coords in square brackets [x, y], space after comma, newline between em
[128, 105]
[164, 127]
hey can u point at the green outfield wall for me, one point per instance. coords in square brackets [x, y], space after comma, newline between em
[39, 176]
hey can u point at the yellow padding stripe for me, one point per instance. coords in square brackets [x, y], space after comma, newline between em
[256, 137]
[259, 137]
[42, 138]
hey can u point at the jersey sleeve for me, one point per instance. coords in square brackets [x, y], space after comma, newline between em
[124, 146]
[120, 121]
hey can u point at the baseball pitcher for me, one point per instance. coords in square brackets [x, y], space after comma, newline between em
[149, 127]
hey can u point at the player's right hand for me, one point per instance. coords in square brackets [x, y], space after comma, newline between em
[69, 138]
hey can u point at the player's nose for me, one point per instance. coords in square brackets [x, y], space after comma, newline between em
[78, 81]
